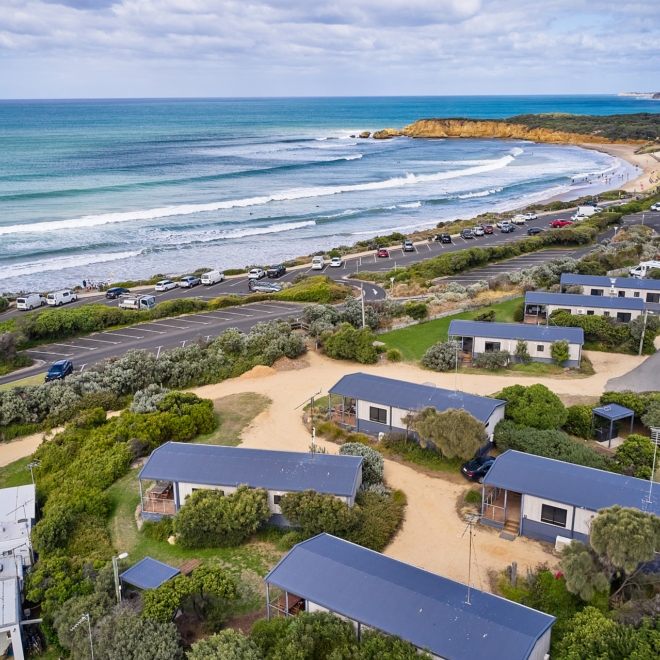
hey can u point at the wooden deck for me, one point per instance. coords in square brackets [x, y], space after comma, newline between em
[155, 505]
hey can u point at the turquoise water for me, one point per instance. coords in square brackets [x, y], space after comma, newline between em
[123, 189]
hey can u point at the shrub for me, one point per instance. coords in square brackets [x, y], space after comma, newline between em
[226, 645]
[394, 355]
[209, 519]
[488, 316]
[578, 421]
[160, 530]
[521, 352]
[147, 400]
[4, 303]
[7, 346]
[492, 360]
[378, 518]
[473, 497]
[519, 313]
[548, 443]
[372, 465]
[635, 456]
[534, 406]
[635, 402]
[416, 310]
[351, 344]
[559, 351]
[452, 432]
[441, 356]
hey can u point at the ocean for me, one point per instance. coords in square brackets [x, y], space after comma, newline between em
[124, 189]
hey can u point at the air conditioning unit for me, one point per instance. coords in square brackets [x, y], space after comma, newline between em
[561, 542]
[581, 311]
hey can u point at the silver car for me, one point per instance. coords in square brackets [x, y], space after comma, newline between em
[165, 285]
[263, 287]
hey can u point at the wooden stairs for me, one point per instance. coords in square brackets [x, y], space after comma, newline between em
[512, 523]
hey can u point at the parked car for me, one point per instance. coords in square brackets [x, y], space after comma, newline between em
[318, 263]
[189, 282]
[478, 231]
[138, 303]
[655, 207]
[408, 246]
[257, 274]
[263, 287]
[560, 223]
[61, 298]
[30, 301]
[466, 233]
[212, 277]
[336, 262]
[518, 220]
[445, 238]
[534, 231]
[530, 215]
[59, 370]
[477, 468]
[276, 271]
[499, 223]
[115, 292]
[507, 229]
[488, 229]
[166, 285]
[382, 252]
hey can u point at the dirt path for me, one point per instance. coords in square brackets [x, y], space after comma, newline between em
[12, 451]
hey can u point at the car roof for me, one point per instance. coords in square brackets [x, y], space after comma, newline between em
[59, 363]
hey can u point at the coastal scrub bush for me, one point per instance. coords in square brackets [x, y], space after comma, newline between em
[492, 360]
[578, 421]
[559, 351]
[4, 303]
[452, 432]
[347, 343]
[394, 355]
[634, 402]
[548, 443]
[535, 406]
[372, 465]
[160, 530]
[416, 310]
[209, 519]
[147, 400]
[226, 645]
[441, 356]
[634, 456]
[521, 352]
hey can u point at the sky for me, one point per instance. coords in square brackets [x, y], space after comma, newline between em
[231, 48]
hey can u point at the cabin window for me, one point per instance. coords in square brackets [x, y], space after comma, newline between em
[590, 312]
[597, 292]
[623, 317]
[492, 346]
[277, 499]
[636, 294]
[553, 515]
[622, 294]
[653, 297]
[378, 415]
[540, 348]
[606, 314]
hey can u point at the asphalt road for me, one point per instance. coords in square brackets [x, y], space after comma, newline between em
[644, 378]
[155, 336]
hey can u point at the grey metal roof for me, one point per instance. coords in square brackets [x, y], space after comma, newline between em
[10, 605]
[259, 468]
[17, 503]
[149, 573]
[526, 331]
[614, 411]
[410, 396]
[577, 300]
[571, 484]
[568, 279]
[428, 610]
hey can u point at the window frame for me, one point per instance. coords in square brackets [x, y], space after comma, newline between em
[381, 412]
[277, 499]
[597, 292]
[492, 345]
[623, 317]
[540, 348]
[549, 515]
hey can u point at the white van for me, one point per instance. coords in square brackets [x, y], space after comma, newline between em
[30, 301]
[585, 212]
[141, 303]
[212, 277]
[61, 297]
[318, 263]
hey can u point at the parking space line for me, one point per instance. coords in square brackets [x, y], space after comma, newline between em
[218, 318]
[165, 325]
[238, 314]
[198, 322]
[103, 341]
[116, 334]
[156, 332]
[84, 348]
[34, 350]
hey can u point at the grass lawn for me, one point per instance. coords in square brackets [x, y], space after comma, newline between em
[15, 473]
[31, 380]
[415, 340]
[234, 413]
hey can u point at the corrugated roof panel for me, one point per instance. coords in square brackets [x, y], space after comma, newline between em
[9, 603]
[425, 609]
[258, 468]
[576, 300]
[567, 483]
[526, 331]
[17, 503]
[568, 279]
[410, 396]
[149, 573]
[613, 411]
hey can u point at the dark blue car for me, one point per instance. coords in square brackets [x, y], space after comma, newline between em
[59, 370]
[477, 468]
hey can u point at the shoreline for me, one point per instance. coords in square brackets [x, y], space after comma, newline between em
[646, 162]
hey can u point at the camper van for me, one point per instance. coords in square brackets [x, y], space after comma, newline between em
[141, 303]
[61, 297]
[318, 263]
[212, 277]
[585, 211]
[30, 301]
[641, 270]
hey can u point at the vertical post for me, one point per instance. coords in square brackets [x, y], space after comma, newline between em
[641, 339]
[632, 421]
[609, 442]
[655, 436]
[115, 571]
[362, 297]
[286, 603]
[506, 492]
[329, 405]
[359, 631]
[343, 407]
[514, 573]
[141, 498]
[267, 601]
[91, 644]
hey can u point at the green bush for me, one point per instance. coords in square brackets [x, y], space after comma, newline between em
[548, 443]
[473, 497]
[372, 463]
[578, 421]
[488, 316]
[209, 519]
[394, 355]
[492, 360]
[635, 402]
[535, 406]
[441, 356]
[351, 344]
[634, 456]
[12, 431]
[416, 310]
[559, 351]
[4, 303]
[521, 352]
[519, 313]
[160, 530]
[226, 645]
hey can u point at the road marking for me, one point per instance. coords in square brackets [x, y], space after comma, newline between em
[85, 348]
[116, 334]
[165, 325]
[375, 291]
[33, 350]
[103, 341]
[238, 314]
[218, 318]
[198, 322]
[156, 332]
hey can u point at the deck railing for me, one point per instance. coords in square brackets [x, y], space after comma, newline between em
[155, 505]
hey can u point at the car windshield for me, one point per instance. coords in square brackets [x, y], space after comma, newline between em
[57, 367]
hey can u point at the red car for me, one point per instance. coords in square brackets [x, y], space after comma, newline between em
[488, 229]
[560, 223]
[383, 253]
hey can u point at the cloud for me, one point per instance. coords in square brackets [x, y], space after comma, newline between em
[253, 47]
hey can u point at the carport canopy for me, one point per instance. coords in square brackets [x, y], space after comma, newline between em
[149, 573]
[613, 412]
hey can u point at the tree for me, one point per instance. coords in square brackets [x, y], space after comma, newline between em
[7, 346]
[226, 645]
[578, 421]
[521, 352]
[453, 432]
[376, 646]
[210, 519]
[126, 636]
[635, 456]
[416, 310]
[492, 360]
[162, 603]
[372, 465]
[351, 344]
[650, 326]
[582, 570]
[651, 418]
[441, 356]
[210, 583]
[559, 351]
[315, 513]
[534, 406]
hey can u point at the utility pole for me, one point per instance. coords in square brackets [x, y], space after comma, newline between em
[655, 436]
[115, 569]
[31, 466]
[85, 617]
[362, 297]
[641, 339]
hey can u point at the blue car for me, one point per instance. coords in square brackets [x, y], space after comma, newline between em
[59, 370]
[477, 468]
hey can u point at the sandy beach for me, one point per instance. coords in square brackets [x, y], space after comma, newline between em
[649, 178]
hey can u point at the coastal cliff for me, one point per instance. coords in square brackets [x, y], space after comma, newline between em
[475, 128]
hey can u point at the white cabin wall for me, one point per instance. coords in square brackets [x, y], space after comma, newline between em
[532, 509]
[583, 518]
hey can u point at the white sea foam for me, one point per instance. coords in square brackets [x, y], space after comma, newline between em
[256, 231]
[412, 205]
[353, 157]
[482, 193]
[517, 151]
[60, 263]
[300, 193]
